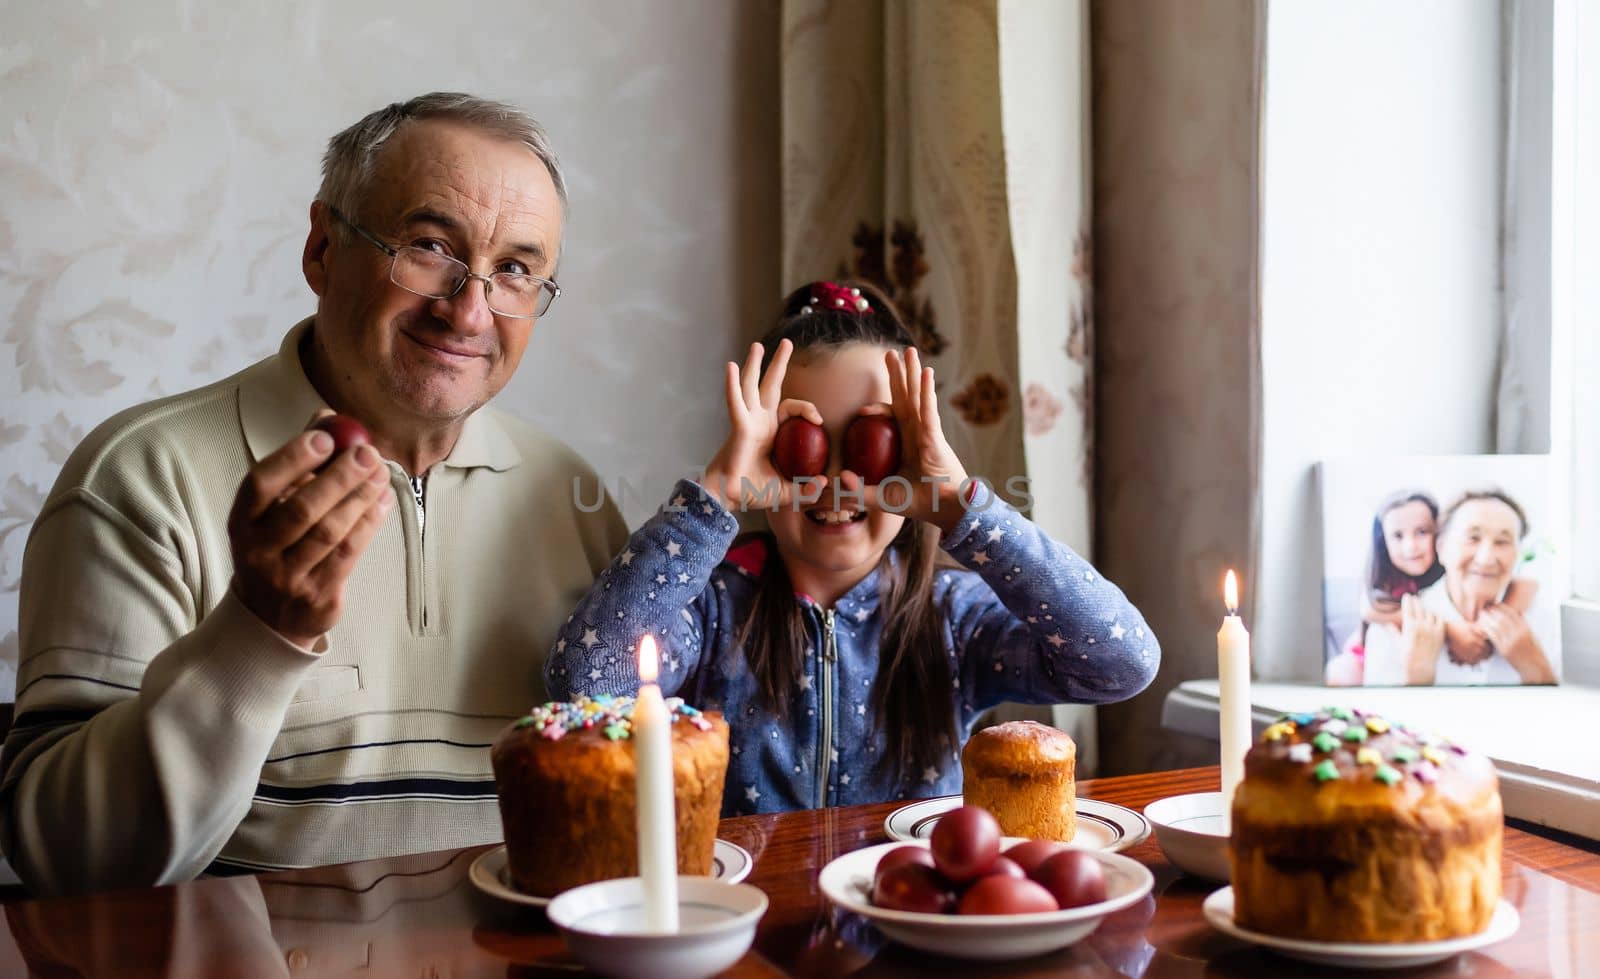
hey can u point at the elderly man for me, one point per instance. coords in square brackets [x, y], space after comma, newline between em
[237, 651]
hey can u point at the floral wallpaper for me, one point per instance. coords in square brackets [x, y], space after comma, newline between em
[159, 159]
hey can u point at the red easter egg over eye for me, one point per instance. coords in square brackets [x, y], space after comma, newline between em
[913, 887]
[1030, 854]
[1000, 894]
[346, 431]
[965, 842]
[872, 448]
[800, 449]
[1073, 878]
[900, 856]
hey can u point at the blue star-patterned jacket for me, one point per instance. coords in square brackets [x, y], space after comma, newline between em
[1031, 622]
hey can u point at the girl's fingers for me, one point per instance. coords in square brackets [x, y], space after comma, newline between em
[794, 407]
[879, 408]
[897, 378]
[772, 383]
[735, 397]
[752, 376]
[913, 379]
[931, 426]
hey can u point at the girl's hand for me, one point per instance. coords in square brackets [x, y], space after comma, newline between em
[1422, 636]
[927, 462]
[741, 474]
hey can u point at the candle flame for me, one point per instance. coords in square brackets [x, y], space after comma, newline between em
[1230, 593]
[647, 660]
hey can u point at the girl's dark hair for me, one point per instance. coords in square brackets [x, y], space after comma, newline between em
[911, 695]
[1382, 576]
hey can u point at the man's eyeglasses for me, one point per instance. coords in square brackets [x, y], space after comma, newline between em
[435, 276]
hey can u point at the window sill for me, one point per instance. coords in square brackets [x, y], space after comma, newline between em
[1549, 763]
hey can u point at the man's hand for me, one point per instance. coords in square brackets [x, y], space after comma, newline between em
[296, 533]
[1421, 636]
[1508, 629]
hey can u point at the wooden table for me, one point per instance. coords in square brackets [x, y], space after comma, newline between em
[419, 916]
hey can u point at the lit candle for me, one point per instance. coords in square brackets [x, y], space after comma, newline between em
[657, 822]
[1233, 675]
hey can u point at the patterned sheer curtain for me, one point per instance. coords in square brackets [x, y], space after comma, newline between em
[939, 148]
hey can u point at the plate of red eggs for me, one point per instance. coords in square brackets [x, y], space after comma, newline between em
[970, 893]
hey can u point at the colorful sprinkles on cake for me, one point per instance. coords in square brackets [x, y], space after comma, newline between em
[1333, 728]
[612, 715]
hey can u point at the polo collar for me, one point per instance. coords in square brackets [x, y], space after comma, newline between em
[276, 401]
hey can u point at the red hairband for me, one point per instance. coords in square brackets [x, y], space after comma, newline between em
[832, 295]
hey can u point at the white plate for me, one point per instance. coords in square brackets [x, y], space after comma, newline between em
[1101, 825]
[1218, 910]
[730, 863]
[847, 882]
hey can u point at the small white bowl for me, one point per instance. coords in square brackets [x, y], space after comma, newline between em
[1189, 829]
[847, 882]
[603, 925]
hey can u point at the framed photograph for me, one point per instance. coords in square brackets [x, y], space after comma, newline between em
[1439, 570]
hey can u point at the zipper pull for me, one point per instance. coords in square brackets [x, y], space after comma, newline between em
[828, 650]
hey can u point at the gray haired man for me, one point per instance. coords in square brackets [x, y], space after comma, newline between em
[238, 653]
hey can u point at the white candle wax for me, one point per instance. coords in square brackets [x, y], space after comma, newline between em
[1233, 676]
[657, 821]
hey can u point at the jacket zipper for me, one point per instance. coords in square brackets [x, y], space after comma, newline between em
[825, 745]
[419, 490]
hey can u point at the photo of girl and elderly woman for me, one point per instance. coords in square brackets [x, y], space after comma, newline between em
[1437, 571]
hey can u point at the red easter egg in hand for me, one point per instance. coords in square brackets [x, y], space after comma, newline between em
[1030, 854]
[800, 449]
[1073, 878]
[913, 887]
[1000, 894]
[900, 856]
[872, 448]
[965, 842]
[346, 431]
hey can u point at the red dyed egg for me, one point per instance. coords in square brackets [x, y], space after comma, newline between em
[1030, 854]
[1004, 866]
[346, 431]
[900, 856]
[965, 843]
[872, 448]
[913, 887]
[800, 449]
[1000, 894]
[1073, 878]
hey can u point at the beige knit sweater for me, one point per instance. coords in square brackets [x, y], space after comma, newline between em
[161, 726]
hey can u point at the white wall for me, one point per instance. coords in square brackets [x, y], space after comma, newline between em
[159, 158]
[1380, 307]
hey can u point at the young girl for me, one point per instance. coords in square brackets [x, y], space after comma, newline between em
[1404, 561]
[849, 664]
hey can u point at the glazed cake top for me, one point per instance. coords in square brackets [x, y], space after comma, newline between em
[600, 717]
[1339, 745]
